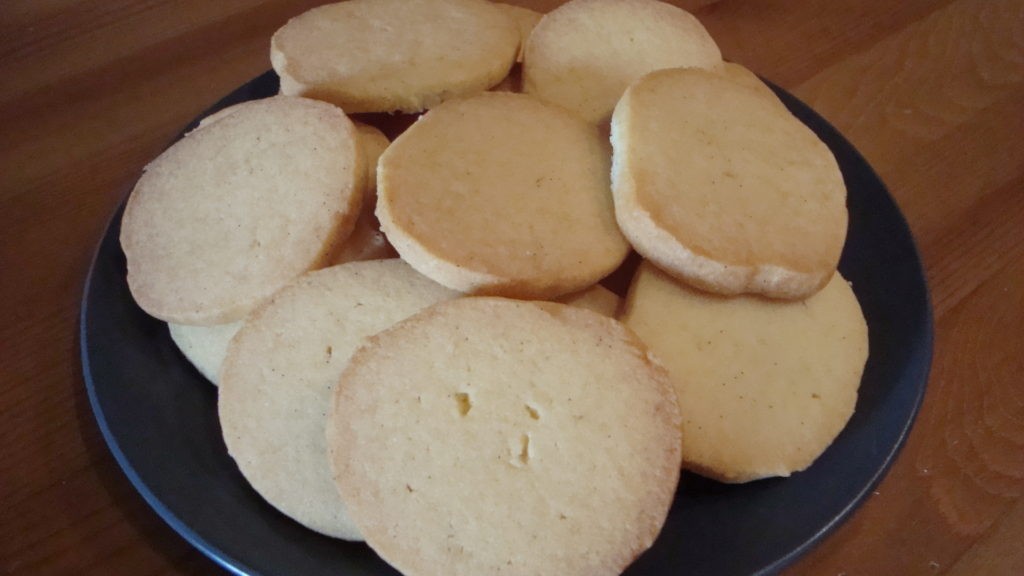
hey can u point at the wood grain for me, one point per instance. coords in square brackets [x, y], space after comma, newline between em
[930, 91]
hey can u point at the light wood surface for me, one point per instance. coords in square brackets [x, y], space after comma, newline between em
[930, 91]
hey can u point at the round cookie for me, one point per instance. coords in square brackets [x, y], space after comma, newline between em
[525, 20]
[204, 346]
[367, 242]
[744, 77]
[237, 208]
[597, 298]
[584, 54]
[723, 188]
[373, 143]
[501, 194]
[764, 386]
[487, 436]
[394, 55]
[282, 367]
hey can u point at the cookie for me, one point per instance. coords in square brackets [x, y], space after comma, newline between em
[236, 209]
[204, 346]
[744, 77]
[282, 367]
[373, 143]
[394, 55]
[725, 189]
[367, 242]
[764, 385]
[525, 20]
[487, 436]
[584, 54]
[501, 194]
[597, 298]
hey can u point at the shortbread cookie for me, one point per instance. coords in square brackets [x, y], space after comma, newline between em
[501, 194]
[236, 209]
[597, 298]
[764, 385]
[743, 76]
[394, 55]
[487, 436]
[724, 188]
[367, 242]
[204, 346]
[585, 53]
[525, 19]
[373, 143]
[281, 370]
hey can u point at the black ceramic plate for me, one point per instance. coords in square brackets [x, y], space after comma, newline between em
[159, 418]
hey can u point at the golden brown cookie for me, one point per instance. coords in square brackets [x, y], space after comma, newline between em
[584, 54]
[501, 194]
[394, 55]
[723, 188]
[764, 385]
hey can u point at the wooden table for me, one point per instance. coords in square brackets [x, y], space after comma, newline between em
[930, 91]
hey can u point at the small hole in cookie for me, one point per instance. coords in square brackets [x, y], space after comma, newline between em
[330, 351]
[532, 412]
[462, 400]
[524, 452]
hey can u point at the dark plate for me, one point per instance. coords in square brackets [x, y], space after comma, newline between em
[159, 418]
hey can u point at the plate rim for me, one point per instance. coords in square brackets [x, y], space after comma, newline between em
[239, 567]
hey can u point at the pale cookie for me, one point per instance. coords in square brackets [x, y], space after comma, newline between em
[394, 55]
[487, 436]
[585, 53]
[204, 346]
[367, 242]
[373, 143]
[725, 189]
[501, 194]
[525, 19]
[281, 370]
[744, 77]
[597, 298]
[236, 209]
[764, 385]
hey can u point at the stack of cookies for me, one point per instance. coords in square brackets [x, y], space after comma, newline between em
[483, 404]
